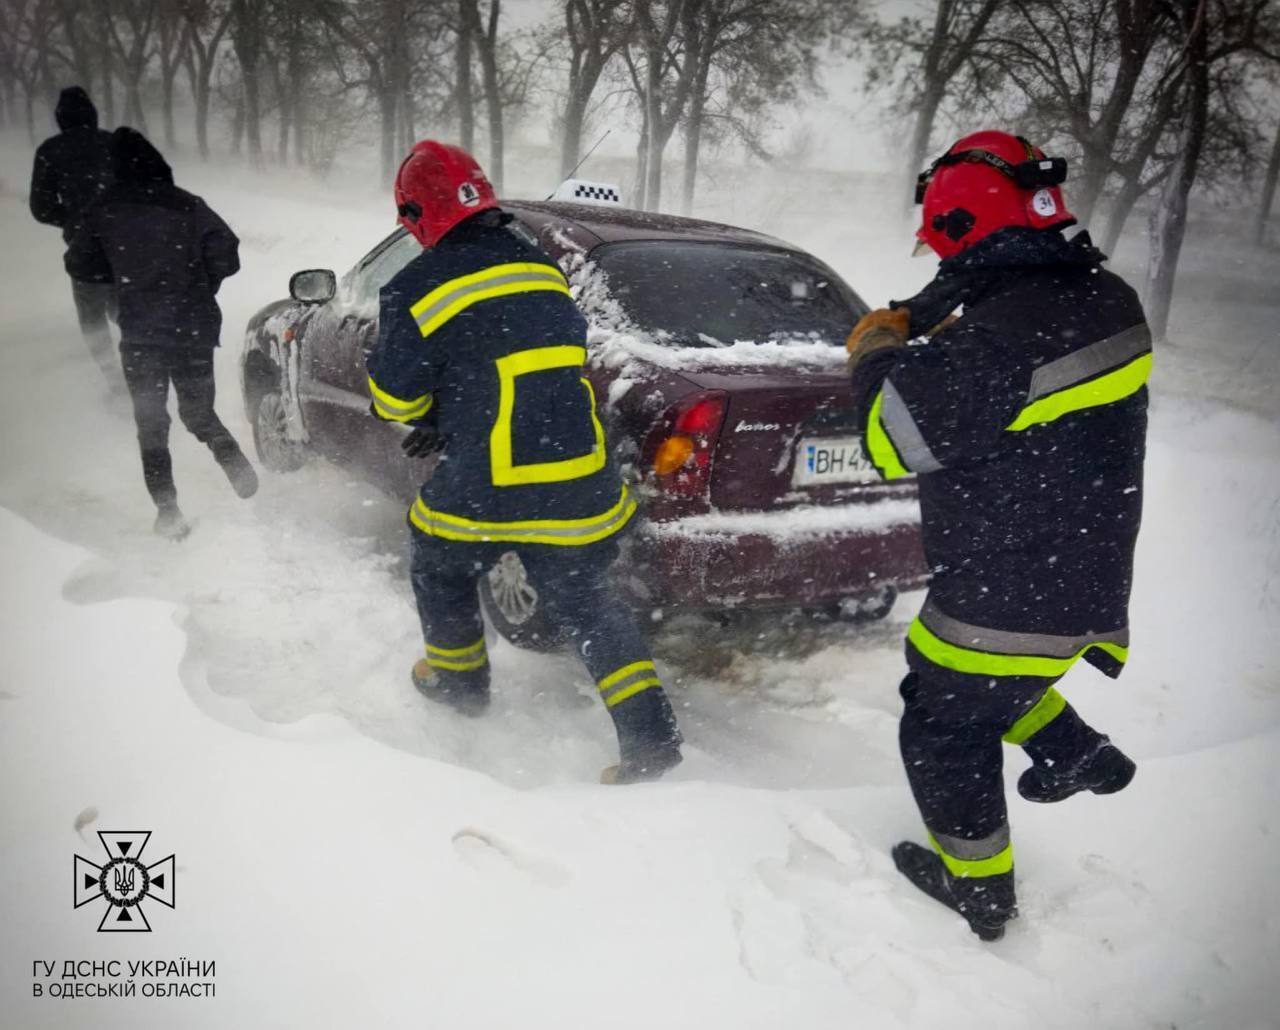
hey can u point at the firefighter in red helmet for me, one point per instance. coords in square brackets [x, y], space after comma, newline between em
[1024, 419]
[480, 352]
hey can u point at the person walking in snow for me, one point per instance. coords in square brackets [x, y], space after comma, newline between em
[1025, 421]
[72, 172]
[167, 253]
[481, 350]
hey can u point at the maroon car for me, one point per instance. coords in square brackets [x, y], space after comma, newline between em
[716, 355]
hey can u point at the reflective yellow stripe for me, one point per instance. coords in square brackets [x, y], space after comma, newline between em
[1036, 718]
[1114, 386]
[883, 454]
[455, 296]
[562, 532]
[457, 652]
[394, 409]
[501, 443]
[963, 659]
[624, 672]
[631, 690]
[462, 666]
[1000, 862]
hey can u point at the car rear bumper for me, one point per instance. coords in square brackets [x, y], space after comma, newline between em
[801, 557]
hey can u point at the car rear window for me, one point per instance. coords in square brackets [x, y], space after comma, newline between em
[712, 294]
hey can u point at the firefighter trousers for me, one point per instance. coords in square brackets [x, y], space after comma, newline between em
[572, 588]
[953, 726]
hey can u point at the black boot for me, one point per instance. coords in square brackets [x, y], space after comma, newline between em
[467, 697]
[227, 453]
[985, 902]
[1103, 770]
[648, 738]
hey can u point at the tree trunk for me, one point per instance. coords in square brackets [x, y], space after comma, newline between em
[921, 133]
[1121, 208]
[253, 115]
[466, 102]
[166, 102]
[1268, 192]
[1169, 220]
[387, 118]
[201, 98]
[642, 162]
[692, 143]
[575, 116]
[493, 95]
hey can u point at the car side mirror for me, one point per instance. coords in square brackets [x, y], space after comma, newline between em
[314, 286]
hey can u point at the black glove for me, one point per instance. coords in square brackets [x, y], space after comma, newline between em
[424, 441]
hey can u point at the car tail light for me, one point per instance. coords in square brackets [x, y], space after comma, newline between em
[683, 442]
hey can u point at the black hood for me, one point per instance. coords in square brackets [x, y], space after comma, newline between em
[75, 110]
[134, 161]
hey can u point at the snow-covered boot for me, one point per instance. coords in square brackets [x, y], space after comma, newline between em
[170, 524]
[648, 739]
[1103, 770]
[985, 902]
[464, 695]
[227, 453]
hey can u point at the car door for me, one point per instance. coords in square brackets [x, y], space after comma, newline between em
[338, 393]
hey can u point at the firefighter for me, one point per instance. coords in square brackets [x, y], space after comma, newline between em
[481, 351]
[1025, 422]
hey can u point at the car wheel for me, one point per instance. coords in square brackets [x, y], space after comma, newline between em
[271, 435]
[511, 602]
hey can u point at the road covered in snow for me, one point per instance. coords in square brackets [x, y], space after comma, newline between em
[349, 855]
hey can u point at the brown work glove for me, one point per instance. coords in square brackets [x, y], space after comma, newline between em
[877, 330]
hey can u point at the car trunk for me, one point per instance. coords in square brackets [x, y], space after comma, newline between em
[776, 419]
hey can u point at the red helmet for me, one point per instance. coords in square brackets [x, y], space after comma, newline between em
[987, 181]
[437, 187]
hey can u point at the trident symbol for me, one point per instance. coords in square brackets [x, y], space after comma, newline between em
[124, 881]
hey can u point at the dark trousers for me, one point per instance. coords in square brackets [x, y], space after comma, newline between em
[573, 590]
[95, 304]
[148, 371]
[951, 734]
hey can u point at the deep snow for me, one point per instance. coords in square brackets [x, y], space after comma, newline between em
[349, 856]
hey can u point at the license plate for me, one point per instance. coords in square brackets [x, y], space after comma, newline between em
[837, 459]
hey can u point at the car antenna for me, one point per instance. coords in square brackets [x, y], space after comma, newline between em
[584, 159]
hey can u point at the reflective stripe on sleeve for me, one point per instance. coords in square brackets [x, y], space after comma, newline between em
[394, 409]
[562, 532]
[1101, 373]
[907, 439]
[627, 682]
[879, 447]
[990, 856]
[455, 296]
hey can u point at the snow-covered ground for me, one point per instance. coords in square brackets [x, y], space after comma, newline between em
[351, 857]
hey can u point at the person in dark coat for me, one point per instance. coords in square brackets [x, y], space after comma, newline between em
[72, 172]
[481, 351]
[1025, 421]
[167, 254]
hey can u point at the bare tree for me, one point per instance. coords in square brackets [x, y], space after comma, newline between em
[595, 31]
[23, 28]
[249, 40]
[663, 66]
[927, 58]
[1268, 191]
[131, 49]
[174, 36]
[1211, 32]
[207, 22]
[482, 28]
[463, 95]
